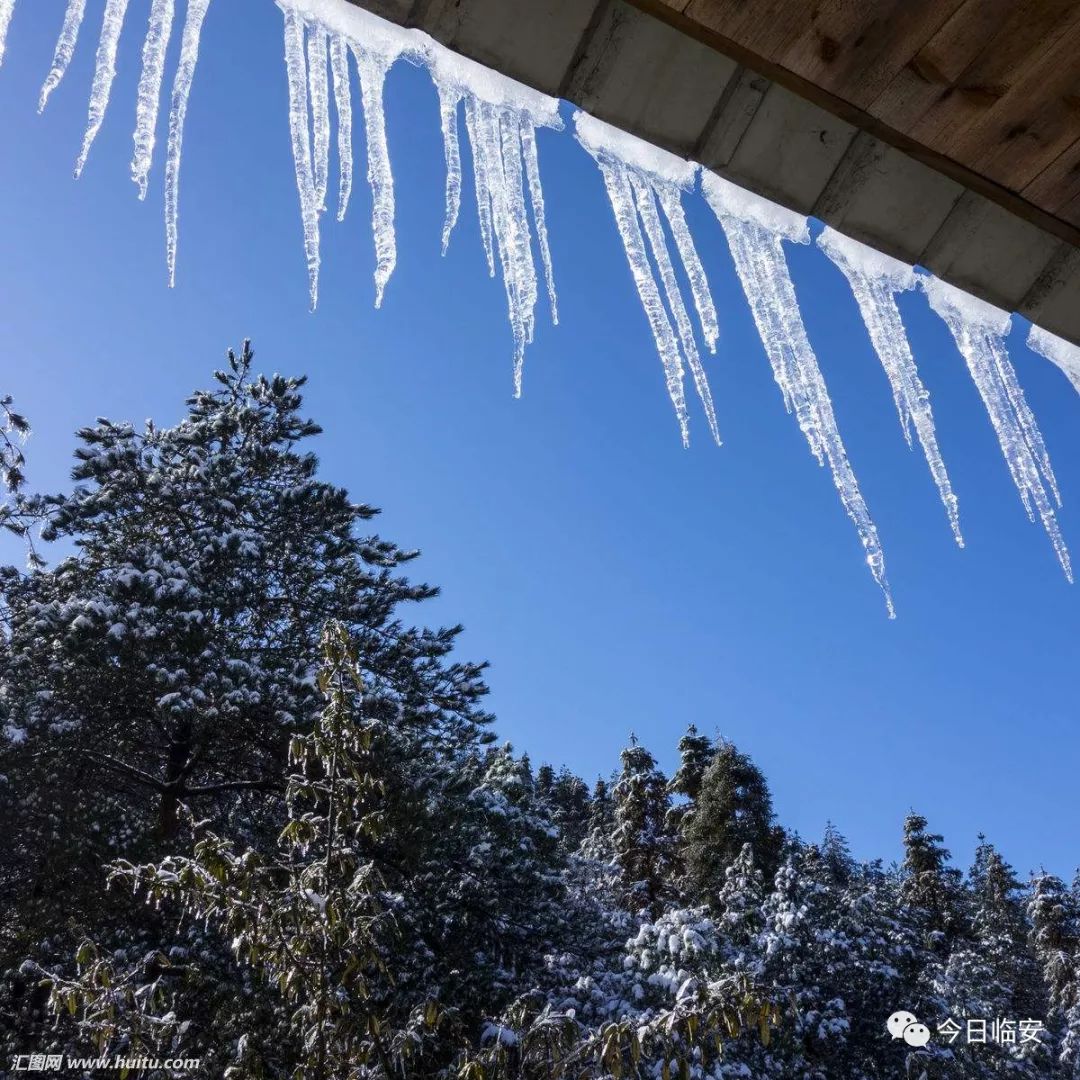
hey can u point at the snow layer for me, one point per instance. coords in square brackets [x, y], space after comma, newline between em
[875, 279]
[600, 138]
[979, 330]
[1058, 351]
[855, 257]
[731, 201]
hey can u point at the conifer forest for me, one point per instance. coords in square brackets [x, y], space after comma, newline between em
[258, 822]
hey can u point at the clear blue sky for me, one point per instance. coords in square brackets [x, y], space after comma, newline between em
[616, 582]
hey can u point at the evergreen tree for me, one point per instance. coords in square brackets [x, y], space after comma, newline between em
[837, 854]
[642, 848]
[695, 753]
[566, 797]
[733, 808]
[930, 886]
[315, 920]
[167, 657]
[1055, 940]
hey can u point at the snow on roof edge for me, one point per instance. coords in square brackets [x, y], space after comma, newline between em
[600, 137]
[951, 302]
[728, 199]
[371, 31]
[856, 257]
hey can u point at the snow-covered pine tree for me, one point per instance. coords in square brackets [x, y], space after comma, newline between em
[567, 798]
[1054, 927]
[14, 431]
[931, 888]
[733, 808]
[695, 753]
[641, 844]
[166, 658]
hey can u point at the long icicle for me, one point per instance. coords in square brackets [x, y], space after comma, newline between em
[373, 68]
[755, 229]
[339, 66]
[149, 93]
[875, 279]
[642, 181]
[501, 118]
[491, 152]
[449, 100]
[7, 9]
[621, 196]
[480, 180]
[104, 73]
[536, 200]
[296, 67]
[645, 200]
[181, 92]
[671, 204]
[319, 95]
[65, 49]
[979, 330]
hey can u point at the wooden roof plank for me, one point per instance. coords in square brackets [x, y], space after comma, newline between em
[1030, 30]
[940, 62]
[1059, 183]
[855, 49]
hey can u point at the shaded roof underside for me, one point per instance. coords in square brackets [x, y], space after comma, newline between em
[943, 132]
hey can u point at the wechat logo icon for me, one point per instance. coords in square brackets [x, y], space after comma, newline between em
[905, 1025]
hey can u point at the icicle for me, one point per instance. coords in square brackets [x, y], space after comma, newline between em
[699, 285]
[296, 66]
[449, 100]
[1058, 351]
[501, 118]
[875, 279]
[980, 330]
[319, 92]
[646, 207]
[637, 176]
[480, 179]
[65, 49]
[7, 9]
[339, 65]
[104, 73]
[621, 196]
[373, 67]
[755, 230]
[536, 200]
[181, 91]
[149, 94]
